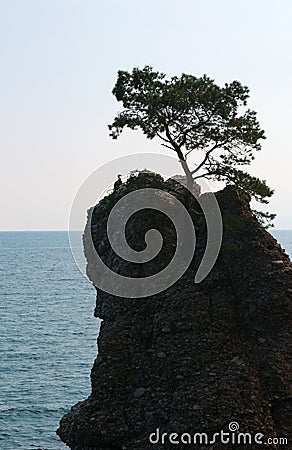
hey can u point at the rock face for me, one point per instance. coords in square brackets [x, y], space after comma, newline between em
[195, 357]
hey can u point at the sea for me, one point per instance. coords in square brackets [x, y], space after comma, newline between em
[47, 335]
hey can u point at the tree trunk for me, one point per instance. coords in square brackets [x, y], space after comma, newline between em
[189, 177]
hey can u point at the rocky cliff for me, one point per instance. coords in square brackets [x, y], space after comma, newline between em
[195, 357]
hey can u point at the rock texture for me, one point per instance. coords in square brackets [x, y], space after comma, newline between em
[197, 356]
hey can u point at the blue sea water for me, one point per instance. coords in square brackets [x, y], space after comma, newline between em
[47, 336]
[284, 237]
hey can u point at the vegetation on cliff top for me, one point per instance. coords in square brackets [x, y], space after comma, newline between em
[194, 114]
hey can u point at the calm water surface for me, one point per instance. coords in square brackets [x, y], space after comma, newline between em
[48, 337]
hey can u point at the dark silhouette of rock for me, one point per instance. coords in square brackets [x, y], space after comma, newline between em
[195, 357]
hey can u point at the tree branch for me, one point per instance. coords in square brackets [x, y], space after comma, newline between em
[205, 159]
[162, 138]
[204, 175]
[167, 146]
[216, 146]
[175, 146]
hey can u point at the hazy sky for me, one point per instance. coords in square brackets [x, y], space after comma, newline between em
[59, 60]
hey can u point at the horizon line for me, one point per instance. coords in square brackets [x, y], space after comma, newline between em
[66, 230]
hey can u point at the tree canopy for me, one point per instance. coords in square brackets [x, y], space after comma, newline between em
[194, 114]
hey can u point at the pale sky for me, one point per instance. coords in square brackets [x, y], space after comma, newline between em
[59, 62]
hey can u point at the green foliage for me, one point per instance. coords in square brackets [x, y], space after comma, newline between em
[248, 183]
[194, 114]
[265, 218]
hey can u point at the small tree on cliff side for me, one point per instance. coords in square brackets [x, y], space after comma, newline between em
[194, 114]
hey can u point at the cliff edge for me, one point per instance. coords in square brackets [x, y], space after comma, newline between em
[196, 357]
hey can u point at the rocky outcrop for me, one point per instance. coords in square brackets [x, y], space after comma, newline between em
[195, 357]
